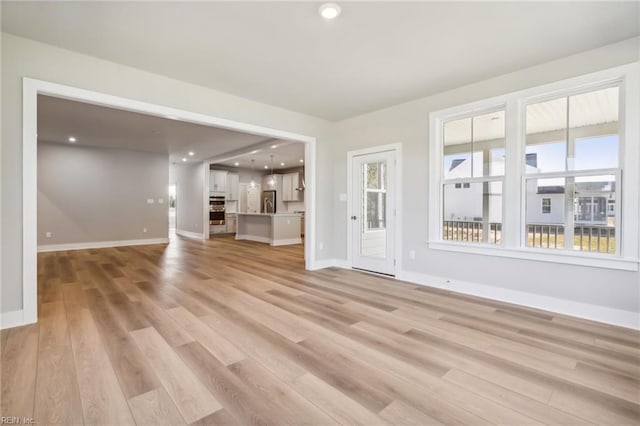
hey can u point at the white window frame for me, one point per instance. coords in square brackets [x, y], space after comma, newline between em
[470, 180]
[514, 192]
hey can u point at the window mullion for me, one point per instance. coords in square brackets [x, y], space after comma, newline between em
[514, 153]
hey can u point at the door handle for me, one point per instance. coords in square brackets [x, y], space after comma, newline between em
[354, 217]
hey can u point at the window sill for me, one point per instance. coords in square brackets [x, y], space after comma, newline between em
[541, 255]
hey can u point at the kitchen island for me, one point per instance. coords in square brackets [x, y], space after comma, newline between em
[276, 229]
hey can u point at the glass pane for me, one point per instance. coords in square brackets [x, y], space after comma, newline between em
[374, 206]
[588, 221]
[546, 212]
[595, 214]
[593, 121]
[375, 175]
[457, 149]
[473, 212]
[546, 138]
[488, 144]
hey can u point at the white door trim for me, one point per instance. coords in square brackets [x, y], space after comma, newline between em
[397, 148]
[31, 88]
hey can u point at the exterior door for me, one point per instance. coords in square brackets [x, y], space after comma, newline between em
[373, 212]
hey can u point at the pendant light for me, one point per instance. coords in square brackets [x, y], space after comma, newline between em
[253, 182]
[272, 181]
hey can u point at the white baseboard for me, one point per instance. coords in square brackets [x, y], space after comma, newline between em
[190, 234]
[11, 319]
[603, 314]
[101, 244]
[321, 264]
[254, 238]
[286, 242]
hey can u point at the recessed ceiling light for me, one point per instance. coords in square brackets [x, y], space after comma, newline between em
[236, 164]
[301, 160]
[254, 151]
[266, 167]
[282, 164]
[274, 146]
[72, 139]
[184, 159]
[329, 10]
[191, 154]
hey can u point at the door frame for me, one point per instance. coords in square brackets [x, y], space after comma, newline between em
[31, 88]
[397, 149]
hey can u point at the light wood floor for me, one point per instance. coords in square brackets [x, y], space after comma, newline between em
[226, 332]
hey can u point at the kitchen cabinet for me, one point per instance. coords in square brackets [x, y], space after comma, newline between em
[217, 181]
[233, 187]
[232, 224]
[290, 183]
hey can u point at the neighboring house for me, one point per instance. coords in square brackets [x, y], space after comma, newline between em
[595, 204]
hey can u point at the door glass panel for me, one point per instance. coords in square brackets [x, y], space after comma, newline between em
[374, 210]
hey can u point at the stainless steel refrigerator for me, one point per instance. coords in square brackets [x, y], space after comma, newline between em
[268, 201]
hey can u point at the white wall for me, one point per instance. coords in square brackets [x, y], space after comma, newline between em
[88, 194]
[26, 58]
[408, 124]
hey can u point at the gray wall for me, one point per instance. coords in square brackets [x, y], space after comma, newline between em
[409, 124]
[26, 58]
[88, 194]
[189, 179]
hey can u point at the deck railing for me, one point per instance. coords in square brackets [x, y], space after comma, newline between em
[471, 231]
[592, 238]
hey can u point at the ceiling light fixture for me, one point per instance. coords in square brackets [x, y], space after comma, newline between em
[274, 146]
[301, 160]
[72, 139]
[266, 167]
[236, 164]
[191, 153]
[272, 181]
[281, 164]
[184, 159]
[329, 10]
[254, 152]
[253, 182]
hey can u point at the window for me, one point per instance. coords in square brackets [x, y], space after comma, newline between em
[473, 159]
[375, 196]
[573, 142]
[538, 174]
[546, 205]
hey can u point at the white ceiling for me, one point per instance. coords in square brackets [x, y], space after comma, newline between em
[93, 125]
[285, 155]
[374, 55]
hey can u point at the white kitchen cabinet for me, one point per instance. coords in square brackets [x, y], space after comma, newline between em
[218, 181]
[232, 224]
[233, 187]
[253, 199]
[290, 183]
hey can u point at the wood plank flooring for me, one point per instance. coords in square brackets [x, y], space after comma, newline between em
[234, 332]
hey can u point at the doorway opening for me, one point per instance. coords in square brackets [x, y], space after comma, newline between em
[33, 89]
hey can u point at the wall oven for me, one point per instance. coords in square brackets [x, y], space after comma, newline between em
[216, 210]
